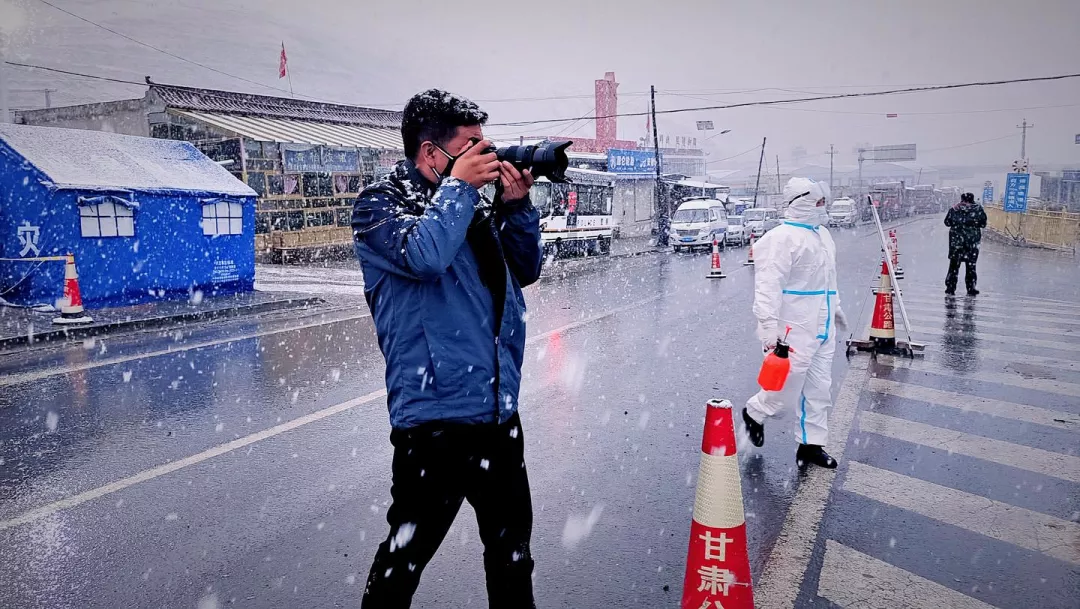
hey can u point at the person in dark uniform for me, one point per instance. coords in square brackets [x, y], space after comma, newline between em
[965, 220]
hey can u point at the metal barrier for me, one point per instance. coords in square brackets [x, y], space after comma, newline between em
[1055, 230]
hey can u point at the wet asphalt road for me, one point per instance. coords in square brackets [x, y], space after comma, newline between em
[247, 463]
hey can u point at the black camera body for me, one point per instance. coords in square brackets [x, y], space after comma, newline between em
[546, 159]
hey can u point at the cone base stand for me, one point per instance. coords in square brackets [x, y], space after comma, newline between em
[748, 263]
[885, 347]
[71, 321]
[716, 274]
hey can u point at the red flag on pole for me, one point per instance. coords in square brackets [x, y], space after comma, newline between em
[283, 66]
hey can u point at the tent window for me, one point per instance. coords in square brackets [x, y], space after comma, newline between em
[107, 219]
[222, 218]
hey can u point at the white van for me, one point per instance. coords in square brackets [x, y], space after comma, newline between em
[698, 222]
[760, 220]
[842, 213]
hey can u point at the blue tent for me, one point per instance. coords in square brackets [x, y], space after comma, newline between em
[145, 218]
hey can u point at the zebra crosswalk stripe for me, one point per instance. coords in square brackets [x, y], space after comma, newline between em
[853, 580]
[1004, 338]
[1018, 317]
[920, 318]
[990, 406]
[1057, 465]
[1011, 524]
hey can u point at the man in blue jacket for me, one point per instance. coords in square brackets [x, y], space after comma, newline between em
[443, 270]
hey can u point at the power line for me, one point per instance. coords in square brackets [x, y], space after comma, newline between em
[69, 73]
[160, 50]
[941, 113]
[996, 139]
[773, 102]
[758, 147]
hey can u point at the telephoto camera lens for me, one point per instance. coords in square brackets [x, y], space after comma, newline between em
[546, 159]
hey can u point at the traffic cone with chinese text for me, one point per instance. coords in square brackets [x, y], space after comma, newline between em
[71, 306]
[882, 326]
[715, 272]
[717, 563]
[750, 253]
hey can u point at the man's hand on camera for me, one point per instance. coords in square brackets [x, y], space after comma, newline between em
[515, 184]
[476, 166]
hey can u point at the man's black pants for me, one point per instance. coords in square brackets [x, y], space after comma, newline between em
[436, 466]
[954, 271]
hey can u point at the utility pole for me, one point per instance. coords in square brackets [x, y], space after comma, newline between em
[662, 214]
[1023, 138]
[4, 116]
[779, 188]
[832, 153]
[759, 162]
[862, 157]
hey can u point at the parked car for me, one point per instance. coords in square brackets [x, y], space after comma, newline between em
[842, 212]
[697, 222]
[760, 220]
[736, 231]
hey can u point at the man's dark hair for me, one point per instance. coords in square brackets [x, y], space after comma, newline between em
[967, 197]
[434, 116]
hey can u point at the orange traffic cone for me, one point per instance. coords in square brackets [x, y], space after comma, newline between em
[750, 253]
[717, 563]
[882, 327]
[715, 272]
[71, 306]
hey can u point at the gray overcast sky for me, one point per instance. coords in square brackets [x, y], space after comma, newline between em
[382, 52]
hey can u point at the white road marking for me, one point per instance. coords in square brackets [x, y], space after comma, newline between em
[853, 580]
[1002, 338]
[1009, 523]
[1072, 310]
[969, 325]
[36, 375]
[940, 313]
[1056, 465]
[168, 468]
[173, 466]
[1015, 359]
[937, 294]
[981, 405]
[785, 568]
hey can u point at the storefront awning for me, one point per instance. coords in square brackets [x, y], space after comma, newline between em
[293, 131]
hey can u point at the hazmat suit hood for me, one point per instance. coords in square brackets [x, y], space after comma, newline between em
[806, 201]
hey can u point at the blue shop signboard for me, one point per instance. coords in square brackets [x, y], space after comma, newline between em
[631, 161]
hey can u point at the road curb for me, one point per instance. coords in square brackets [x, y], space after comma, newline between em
[74, 333]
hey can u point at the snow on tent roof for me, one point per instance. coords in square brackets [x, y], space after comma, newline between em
[95, 160]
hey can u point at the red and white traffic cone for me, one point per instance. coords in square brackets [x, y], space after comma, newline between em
[717, 563]
[71, 306]
[715, 272]
[750, 253]
[882, 324]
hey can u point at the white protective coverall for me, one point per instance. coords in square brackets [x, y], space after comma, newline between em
[795, 285]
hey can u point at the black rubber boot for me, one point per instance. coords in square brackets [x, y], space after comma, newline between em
[950, 291]
[813, 454]
[973, 292]
[755, 430]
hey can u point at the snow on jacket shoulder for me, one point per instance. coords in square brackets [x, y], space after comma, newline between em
[430, 265]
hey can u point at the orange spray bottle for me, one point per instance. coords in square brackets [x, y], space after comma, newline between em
[775, 368]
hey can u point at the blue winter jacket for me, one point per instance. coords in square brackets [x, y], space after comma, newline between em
[443, 282]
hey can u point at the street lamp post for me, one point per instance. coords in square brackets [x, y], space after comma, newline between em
[707, 126]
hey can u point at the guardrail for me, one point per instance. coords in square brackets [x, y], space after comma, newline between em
[1055, 230]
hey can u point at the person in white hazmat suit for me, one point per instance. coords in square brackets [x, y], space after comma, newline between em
[795, 286]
